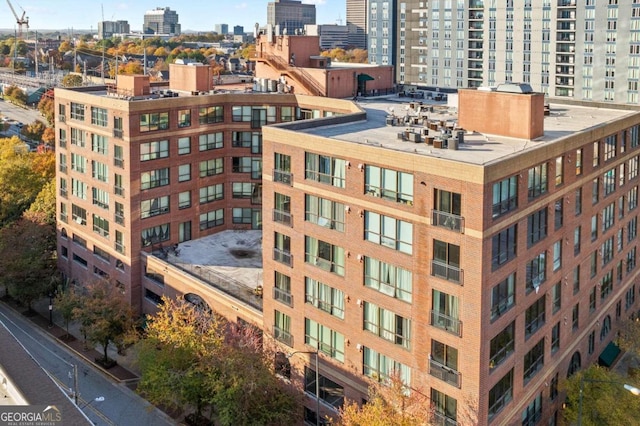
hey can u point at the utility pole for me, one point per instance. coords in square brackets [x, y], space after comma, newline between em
[36, 54]
[75, 383]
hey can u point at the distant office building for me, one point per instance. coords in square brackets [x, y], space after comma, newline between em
[221, 28]
[331, 36]
[106, 29]
[238, 30]
[290, 15]
[161, 20]
[357, 23]
[382, 29]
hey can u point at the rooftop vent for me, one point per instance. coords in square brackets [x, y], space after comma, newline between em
[514, 88]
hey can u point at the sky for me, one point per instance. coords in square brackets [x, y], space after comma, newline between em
[197, 15]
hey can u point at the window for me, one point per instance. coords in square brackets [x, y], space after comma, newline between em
[388, 325]
[609, 181]
[592, 342]
[389, 232]
[330, 392]
[533, 360]
[610, 144]
[100, 198]
[606, 285]
[504, 246]
[211, 219]
[282, 328]
[559, 213]
[154, 178]
[502, 345]
[247, 216]
[154, 121]
[323, 212]
[443, 362]
[388, 279]
[606, 250]
[210, 141]
[536, 226]
[99, 144]
[212, 114]
[630, 297]
[444, 313]
[578, 201]
[592, 299]
[559, 172]
[184, 200]
[241, 164]
[501, 394]
[606, 327]
[154, 150]
[594, 227]
[211, 193]
[100, 225]
[596, 154]
[505, 196]
[78, 163]
[532, 415]
[184, 118]
[608, 217]
[154, 207]
[380, 367]
[326, 340]
[155, 276]
[557, 255]
[575, 317]
[155, 235]
[537, 181]
[78, 137]
[324, 297]
[534, 316]
[595, 190]
[249, 190]
[324, 169]
[78, 215]
[324, 255]
[536, 272]
[99, 116]
[77, 111]
[389, 184]
[184, 172]
[578, 162]
[118, 156]
[556, 297]
[282, 248]
[79, 189]
[446, 261]
[211, 167]
[282, 168]
[503, 296]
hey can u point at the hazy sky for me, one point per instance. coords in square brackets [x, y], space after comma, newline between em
[199, 15]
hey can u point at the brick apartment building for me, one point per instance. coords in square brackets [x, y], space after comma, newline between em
[484, 272]
[483, 265]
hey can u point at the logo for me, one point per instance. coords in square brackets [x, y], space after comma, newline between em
[30, 415]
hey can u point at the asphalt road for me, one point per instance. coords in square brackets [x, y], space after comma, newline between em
[26, 116]
[100, 398]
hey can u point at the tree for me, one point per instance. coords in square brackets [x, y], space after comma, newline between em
[629, 336]
[66, 302]
[389, 404]
[27, 257]
[46, 106]
[44, 204]
[72, 80]
[603, 403]
[172, 357]
[105, 315]
[49, 136]
[34, 130]
[15, 94]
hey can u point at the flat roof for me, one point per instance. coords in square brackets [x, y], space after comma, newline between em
[479, 149]
[229, 260]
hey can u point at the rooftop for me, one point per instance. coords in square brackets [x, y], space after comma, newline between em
[230, 261]
[413, 119]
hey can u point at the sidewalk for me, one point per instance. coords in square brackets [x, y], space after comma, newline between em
[124, 372]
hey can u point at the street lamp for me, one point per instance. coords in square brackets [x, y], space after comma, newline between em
[316, 353]
[96, 399]
[50, 309]
[634, 390]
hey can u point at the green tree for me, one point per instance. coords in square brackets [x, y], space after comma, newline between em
[605, 402]
[105, 315]
[44, 204]
[27, 258]
[66, 303]
[629, 336]
[72, 80]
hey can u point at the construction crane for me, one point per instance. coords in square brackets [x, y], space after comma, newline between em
[23, 20]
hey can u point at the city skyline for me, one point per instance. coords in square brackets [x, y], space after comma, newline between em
[46, 15]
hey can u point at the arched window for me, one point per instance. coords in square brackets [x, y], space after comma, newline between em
[63, 233]
[574, 366]
[606, 327]
[197, 301]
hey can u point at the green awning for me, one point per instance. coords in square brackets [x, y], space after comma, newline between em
[609, 355]
[364, 77]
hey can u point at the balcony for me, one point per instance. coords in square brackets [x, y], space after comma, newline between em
[63, 143]
[283, 217]
[440, 419]
[118, 162]
[283, 296]
[444, 373]
[476, 35]
[282, 336]
[118, 133]
[63, 168]
[446, 271]
[476, 15]
[447, 323]
[282, 256]
[564, 81]
[119, 247]
[283, 177]
[566, 3]
[533, 369]
[476, 4]
[566, 14]
[476, 45]
[62, 118]
[118, 190]
[119, 218]
[447, 220]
